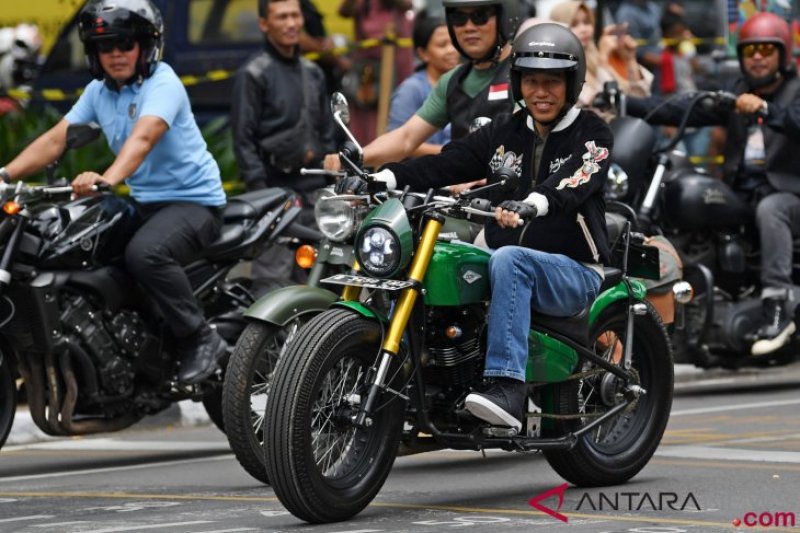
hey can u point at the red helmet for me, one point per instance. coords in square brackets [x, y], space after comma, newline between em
[768, 28]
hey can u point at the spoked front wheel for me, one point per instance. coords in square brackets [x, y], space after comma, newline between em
[247, 385]
[619, 448]
[324, 467]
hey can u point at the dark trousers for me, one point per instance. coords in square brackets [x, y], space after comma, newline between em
[171, 236]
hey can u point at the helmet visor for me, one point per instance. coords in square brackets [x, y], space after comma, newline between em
[544, 61]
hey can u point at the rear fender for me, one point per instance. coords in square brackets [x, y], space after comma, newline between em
[614, 294]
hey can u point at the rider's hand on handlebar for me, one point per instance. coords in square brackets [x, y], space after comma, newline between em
[749, 104]
[82, 184]
[350, 185]
[332, 163]
[513, 213]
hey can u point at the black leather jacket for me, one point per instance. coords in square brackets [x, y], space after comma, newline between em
[572, 173]
[781, 134]
[270, 92]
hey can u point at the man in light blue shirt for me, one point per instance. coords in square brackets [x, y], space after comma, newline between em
[144, 112]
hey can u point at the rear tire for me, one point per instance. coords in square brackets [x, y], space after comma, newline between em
[323, 468]
[247, 383]
[617, 450]
[212, 402]
[8, 397]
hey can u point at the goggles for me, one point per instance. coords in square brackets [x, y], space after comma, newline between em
[765, 49]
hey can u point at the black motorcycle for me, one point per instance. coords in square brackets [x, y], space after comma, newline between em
[711, 227]
[87, 342]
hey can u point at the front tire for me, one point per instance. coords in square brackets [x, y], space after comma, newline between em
[324, 468]
[247, 384]
[8, 397]
[618, 449]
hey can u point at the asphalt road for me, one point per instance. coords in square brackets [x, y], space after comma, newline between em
[731, 452]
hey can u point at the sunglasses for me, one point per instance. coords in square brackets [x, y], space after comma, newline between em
[107, 46]
[765, 49]
[479, 17]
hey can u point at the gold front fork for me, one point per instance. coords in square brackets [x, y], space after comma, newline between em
[399, 320]
[419, 267]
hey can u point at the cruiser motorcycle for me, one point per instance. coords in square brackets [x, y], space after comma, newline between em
[392, 360]
[712, 229]
[87, 343]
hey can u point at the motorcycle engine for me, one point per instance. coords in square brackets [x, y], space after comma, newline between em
[455, 346]
[113, 343]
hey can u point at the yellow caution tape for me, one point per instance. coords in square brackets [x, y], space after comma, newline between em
[59, 95]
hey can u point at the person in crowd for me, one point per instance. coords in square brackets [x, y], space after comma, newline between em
[315, 39]
[612, 59]
[144, 112]
[373, 18]
[20, 47]
[481, 31]
[762, 158]
[281, 122]
[546, 259]
[437, 55]
[643, 22]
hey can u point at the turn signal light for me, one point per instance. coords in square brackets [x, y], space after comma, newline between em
[11, 207]
[305, 256]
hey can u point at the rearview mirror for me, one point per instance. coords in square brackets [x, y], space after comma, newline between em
[340, 108]
[79, 135]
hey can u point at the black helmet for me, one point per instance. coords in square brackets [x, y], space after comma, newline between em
[508, 20]
[114, 19]
[548, 46]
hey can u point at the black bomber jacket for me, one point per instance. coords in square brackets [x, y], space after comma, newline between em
[571, 176]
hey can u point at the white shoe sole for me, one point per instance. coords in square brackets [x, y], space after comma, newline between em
[766, 346]
[478, 406]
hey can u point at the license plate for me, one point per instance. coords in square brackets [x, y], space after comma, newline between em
[370, 283]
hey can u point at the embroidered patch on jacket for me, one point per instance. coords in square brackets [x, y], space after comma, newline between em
[509, 159]
[591, 158]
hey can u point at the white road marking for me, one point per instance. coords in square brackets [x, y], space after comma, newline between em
[228, 530]
[163, 527]
[24, 518]
[60, 524]
[121, 445]
[733, 407]
[90, 471]
[727, 454]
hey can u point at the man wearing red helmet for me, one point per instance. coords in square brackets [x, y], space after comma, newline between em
[762, 158]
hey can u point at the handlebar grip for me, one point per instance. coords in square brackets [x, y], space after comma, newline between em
[101, 186]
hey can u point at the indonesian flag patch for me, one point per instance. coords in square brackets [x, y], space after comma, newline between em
[498, 92]
[594, 155]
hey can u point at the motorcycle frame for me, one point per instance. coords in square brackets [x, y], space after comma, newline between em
[409, 307]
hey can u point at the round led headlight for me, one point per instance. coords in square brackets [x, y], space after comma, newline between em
[378, 251]
[336, 219]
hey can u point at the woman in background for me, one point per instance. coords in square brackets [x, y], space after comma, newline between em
[435, 50]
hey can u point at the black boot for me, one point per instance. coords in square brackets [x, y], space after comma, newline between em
[199, 358]
[502, 404]
[776, 329]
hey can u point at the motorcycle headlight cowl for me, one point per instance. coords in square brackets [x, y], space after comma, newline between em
[336, 219]
[378, 251]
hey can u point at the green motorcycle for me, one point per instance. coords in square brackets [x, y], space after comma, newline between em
[394, 361]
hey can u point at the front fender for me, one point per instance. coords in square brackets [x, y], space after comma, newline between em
[614, 294]
[280, 306]
[363, 310]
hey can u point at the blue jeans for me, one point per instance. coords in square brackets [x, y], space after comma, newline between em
[523, 280]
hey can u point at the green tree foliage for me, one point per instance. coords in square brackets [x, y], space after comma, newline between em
[18, 129]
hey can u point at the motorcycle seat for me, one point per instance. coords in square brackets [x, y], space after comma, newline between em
[254, 204]
[575, 327]
[230, 235]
